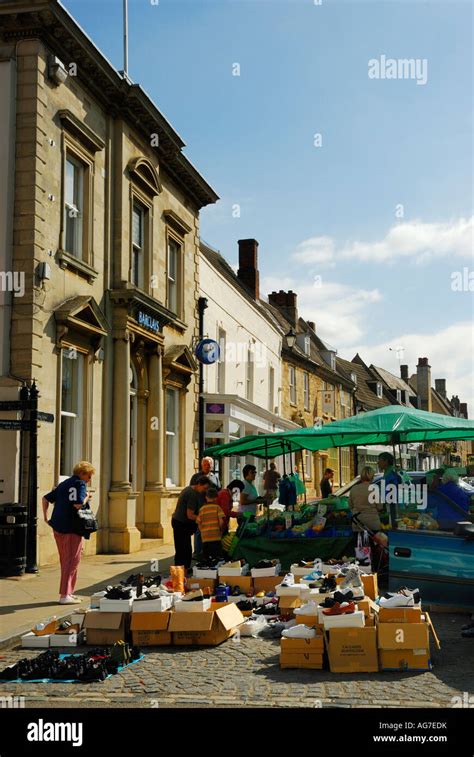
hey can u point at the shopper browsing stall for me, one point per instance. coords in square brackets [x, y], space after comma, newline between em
[184, 520]
[211, 522]
[249, 498]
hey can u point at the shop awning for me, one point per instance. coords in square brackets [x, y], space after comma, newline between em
[393, 424]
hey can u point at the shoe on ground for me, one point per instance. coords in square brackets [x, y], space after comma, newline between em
[299, 632]
[69, 600]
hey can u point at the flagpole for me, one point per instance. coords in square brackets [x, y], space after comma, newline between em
[125, 37]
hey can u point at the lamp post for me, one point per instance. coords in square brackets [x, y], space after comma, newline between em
[290, 339]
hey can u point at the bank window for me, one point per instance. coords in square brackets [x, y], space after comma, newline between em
[74, 205]
[306, 390]
[73, 367]
[173, 268]
[138, 245]
[292, 383]
[172, 437]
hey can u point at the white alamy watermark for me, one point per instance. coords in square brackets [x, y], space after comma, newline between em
[44, 731]
[462, 281]
[239, 352]
[13, 281]
[10, 702]
[398, 68]
[403, 493]
[465, 701]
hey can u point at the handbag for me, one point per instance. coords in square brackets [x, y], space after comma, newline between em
[362, 550]
[84, 522]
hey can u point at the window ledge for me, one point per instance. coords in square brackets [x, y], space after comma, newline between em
[66, 260]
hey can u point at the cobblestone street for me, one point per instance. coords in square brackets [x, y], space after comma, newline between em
[247, 674]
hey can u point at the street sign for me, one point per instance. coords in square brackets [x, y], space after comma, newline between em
[15, 425]
[47, 417]
[17, 404]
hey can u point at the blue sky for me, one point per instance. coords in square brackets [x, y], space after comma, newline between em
[385, 272]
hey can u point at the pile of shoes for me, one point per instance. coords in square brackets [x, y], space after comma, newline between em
[119, 592]
[95, 665]
[141, 582]
[404, 597]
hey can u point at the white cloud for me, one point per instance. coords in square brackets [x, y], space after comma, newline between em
[337, 309]
[422, 242]
[449, 353]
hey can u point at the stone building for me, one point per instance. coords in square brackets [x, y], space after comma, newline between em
[101, 219]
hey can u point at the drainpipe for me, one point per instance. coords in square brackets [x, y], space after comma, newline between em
[202, 305]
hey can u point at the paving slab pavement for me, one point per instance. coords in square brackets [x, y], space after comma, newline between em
[31, 598]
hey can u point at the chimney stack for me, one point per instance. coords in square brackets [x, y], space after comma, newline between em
[248, 266]
[440, 386]
[423, 383]
[286, 303]
[404, 372]
[463, 409]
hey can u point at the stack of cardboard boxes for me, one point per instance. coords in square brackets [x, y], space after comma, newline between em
[404, 639]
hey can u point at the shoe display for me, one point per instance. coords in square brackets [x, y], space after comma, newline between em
[329, 584]
[398, 600]
[269, 609]
[328, 602]
[194, 596]
[96, 665]
[265, 564]
[270, 594]
[260, 594]
[343, 596]
[236, 591]
[245, 605]
[299, 632]
[310, 608]
[314, 576]
[289, 580]
[340, 608]
[118, 592]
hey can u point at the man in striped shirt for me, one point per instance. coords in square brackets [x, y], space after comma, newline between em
[211, 521]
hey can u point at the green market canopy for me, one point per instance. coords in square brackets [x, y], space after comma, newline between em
[393, 424]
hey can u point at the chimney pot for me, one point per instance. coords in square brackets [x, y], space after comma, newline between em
[248, 266]
[404, 372]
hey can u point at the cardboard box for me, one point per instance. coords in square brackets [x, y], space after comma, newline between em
[307, 620]
[297, 571]
[399, 614]
[95, 599]
[150, 629]
[217, 605]
[367, 606]
[371, 587]
[403, 635]
[313, 645]
[73, 628]
[404, 659]
[370, 620]
[201, 573]
[205, 628]
[116, 605]
[352, 620]
[161, 604]
[201, 583]
[266, 583]
[71, 640]
[352, 650]
[289, 603]
[266, 572]
[301, 660]
[225, 572]
[31, 641]
[290, 591]
[104, 628]
[193, 607]
[245, 583]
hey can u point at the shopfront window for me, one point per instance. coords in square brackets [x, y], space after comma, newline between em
[172, 437]
[308, 464]
[72, 409]
[345, 465]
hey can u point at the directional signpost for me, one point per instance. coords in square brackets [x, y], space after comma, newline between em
[28, 405]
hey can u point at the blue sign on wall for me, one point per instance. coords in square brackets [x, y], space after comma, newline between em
[207, 351]
[148, 322]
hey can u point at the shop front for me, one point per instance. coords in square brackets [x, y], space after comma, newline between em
[149, 387]
[230, 417]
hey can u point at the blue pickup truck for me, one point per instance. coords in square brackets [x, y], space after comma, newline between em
[438, 562]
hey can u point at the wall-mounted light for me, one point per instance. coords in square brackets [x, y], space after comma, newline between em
[290, 339]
